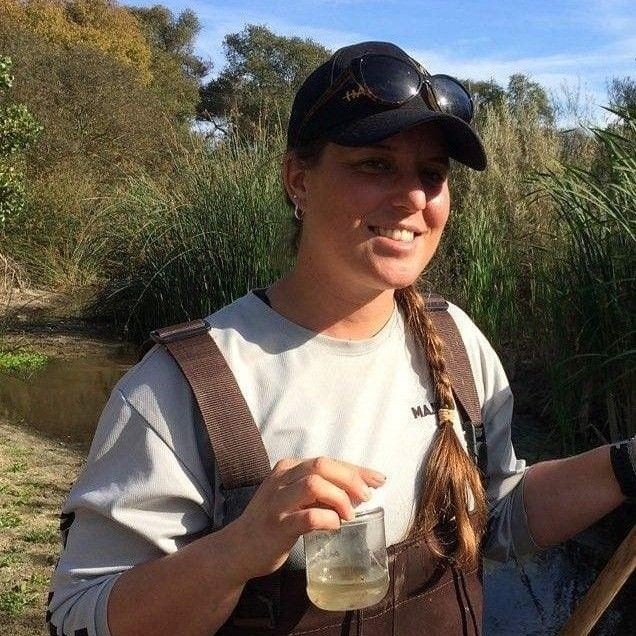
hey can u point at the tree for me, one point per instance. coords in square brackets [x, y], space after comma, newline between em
[101, 124]
[98, 119]
[622, 94]
[158, 46]
[485, 94]
[263, 72]
[173, 35]
[176, 70]
[97, 24]
[18, 131]
[524, 94]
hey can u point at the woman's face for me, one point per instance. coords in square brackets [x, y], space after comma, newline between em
[374, 215]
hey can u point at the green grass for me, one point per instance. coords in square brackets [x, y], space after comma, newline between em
[22, 595]
[188, 246]
[22, 362]
[17, 467]
[46, 535]
[485, 262]
[30, 501]
[11, 558]
[17, 451]
[9, 520]
[18, 494]
[14, 601]
[23, 494]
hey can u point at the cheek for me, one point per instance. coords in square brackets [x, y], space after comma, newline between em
[437, 211]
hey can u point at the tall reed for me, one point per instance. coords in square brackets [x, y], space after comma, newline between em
[486, 263]
[589, 300]
[195, 242]
[546, 276]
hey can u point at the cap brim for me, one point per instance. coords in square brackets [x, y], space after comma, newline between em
[464, 145]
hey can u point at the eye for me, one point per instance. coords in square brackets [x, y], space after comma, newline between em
[434, 175]
[375, 164]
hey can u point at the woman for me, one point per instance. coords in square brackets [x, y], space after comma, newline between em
[345, 377]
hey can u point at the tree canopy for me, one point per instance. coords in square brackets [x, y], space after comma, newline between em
[102, 117]
[174, 35]
[263, 72]
[176, 71]
[485, 93]
[523, 93]
[622, 94]
[98, 24]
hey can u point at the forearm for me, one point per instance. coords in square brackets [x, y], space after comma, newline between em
[564, 496]
[191, 592]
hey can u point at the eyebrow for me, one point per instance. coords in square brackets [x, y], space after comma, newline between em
[381, 146]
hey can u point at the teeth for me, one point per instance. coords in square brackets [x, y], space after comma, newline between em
[397, 235]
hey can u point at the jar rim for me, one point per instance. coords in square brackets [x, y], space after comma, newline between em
[365, 515]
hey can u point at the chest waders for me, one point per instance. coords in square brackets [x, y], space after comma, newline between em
[427, 595]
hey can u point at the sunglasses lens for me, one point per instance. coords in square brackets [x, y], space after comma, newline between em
[452, 97]
[391, 80]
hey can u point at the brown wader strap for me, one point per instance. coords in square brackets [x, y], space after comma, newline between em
[462, 379]
[236, 442]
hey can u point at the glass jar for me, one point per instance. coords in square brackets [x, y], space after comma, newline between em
[347, 569]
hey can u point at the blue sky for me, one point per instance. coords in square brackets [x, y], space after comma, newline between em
[580, 44]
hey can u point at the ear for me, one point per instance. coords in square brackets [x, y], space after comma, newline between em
[294, 173]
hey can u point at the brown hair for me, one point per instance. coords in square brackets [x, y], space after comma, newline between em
[449, 474]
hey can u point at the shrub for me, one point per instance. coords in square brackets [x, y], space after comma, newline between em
[18, 131]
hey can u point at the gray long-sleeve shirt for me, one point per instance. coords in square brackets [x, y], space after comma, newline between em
[145, 490]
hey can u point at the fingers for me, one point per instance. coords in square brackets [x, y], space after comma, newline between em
[354, 480]
[309, 519]
[315, 491]
[299, 496]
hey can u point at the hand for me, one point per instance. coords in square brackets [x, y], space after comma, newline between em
[297, 497]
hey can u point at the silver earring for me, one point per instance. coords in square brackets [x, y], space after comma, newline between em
[298, 213]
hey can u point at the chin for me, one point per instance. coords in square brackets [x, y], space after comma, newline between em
[398, 280]
[392, 273]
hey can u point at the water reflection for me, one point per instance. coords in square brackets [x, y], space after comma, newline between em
[536, 597]
[67, 397]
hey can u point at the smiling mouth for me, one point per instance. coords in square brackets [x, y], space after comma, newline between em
[402, 235]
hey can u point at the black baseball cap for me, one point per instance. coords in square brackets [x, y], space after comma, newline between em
[365, 121]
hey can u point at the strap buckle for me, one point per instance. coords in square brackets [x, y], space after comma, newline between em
[435, 302]
[180, 331]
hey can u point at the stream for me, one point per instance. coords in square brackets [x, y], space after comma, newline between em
[531, 598]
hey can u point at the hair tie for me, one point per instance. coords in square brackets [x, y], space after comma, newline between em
[445, 415]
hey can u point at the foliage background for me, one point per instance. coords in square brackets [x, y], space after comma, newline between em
[142, 221]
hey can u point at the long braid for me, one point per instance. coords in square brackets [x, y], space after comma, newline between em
[450, 476]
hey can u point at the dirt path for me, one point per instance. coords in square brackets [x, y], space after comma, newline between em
[35, 475]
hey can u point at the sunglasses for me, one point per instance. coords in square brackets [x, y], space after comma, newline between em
[392, 81]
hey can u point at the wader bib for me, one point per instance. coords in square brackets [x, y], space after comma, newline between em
[427, 595]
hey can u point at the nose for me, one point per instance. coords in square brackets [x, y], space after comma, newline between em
[409, 195]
